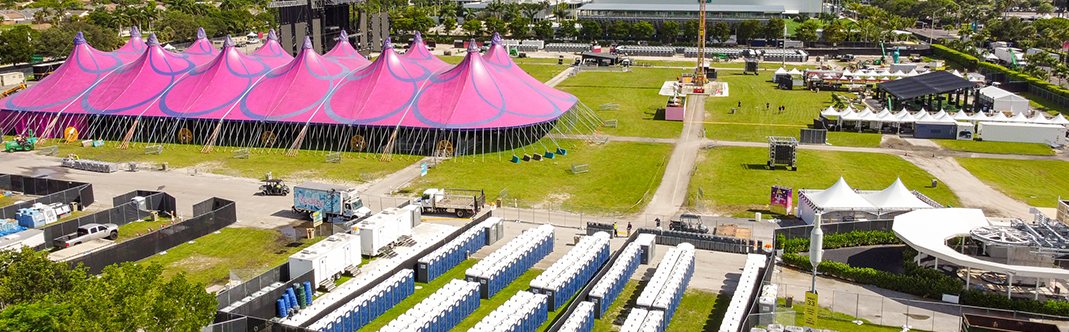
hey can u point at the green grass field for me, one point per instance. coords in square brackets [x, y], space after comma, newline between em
[1043, 104]
[996, 147]
[735, 181]
[635, 93]
[754, 91]
[615, 182]
[542, 72]
[830, 320]
[698, 310]
[1036, 182]
[307, 164]
[760, 133]
[130, 230]
[489, 305]
[209, 259]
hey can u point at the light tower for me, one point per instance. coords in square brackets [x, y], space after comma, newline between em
[699, 73]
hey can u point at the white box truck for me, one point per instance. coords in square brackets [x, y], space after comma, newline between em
[1008, 55]
[1053, 135]
[328, 258]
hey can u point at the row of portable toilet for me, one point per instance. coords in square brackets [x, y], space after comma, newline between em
[570, 273]
[295, 298]
[378, 231]
[642, 320]
[747, 283]
[612, 283]
[568, 47]
[370, 305]
[441, 311]
[523, 312]
[446, 257]
[646, 50]
[506, 264]
[665, 289]
[581, 320]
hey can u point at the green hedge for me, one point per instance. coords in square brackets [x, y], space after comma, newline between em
[971, 63]
[843, 240]
[998, 300]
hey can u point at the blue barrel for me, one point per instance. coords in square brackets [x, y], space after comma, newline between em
[308, 293]
[293, 298]
[282, 308]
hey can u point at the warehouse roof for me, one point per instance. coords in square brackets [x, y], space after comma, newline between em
[936, 82]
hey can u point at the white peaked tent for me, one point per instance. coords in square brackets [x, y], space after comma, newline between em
[838, 198]
[925, 117]
[896, 197]
[830, 112]
[1019, 118]
[1060, 119]
[794, 71]
[904, 116]
[957, 73]
[1039, 118]
[781, 71]
[998, 117]
[940, 114]
[884, 73]
[979, 116]
[899, 73]
[1002, 100]
[912, 72]
[846, 72]
[960, 115]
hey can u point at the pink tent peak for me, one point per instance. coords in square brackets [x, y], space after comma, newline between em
[83, 67]
[419, 54]
[133, 48]
[211, 90]
[345, 54]
[271, 53]
[500, 62]
[378, 94]
[202, 51]
[471, 95]
[292, 92]
[134, 87]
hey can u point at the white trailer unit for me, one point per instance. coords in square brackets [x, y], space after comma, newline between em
[401, 219]
[417, 214]
[376, 234]
[1053, 135]
[29, 238]
[327, 258]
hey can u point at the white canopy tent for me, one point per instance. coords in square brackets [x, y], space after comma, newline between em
[780, 71]
[998, 117]
[794, 71]
[962, 116]
[896, 197]
[979, 116]
[1039, 118]
[1019, 118]
[842, 203]
[1060, 119]
[1002, 100]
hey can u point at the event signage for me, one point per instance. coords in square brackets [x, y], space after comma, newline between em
[422, 169]
[317, 218]
[781, 196]
[810, 309]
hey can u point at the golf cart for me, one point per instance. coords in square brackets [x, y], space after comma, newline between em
[688, 223]
[21, 143]
[274, 187]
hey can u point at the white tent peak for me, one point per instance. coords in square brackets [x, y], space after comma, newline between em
[780, 71]
[1060, 119]
[896, 196]
[839, 195]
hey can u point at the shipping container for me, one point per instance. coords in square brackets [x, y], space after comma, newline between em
[1053, 135]
[937, 130]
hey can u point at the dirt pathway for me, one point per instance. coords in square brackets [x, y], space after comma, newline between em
[672, 193]
[970, 190]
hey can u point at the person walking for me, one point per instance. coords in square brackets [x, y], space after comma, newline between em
[629, 229]
[615, 232]
[767, 106]
[658, 220]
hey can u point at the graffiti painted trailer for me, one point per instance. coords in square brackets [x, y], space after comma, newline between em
[337, 203]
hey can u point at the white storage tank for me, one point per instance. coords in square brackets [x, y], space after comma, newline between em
[328, 258]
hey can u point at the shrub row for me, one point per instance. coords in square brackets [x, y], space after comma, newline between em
[842, 240]
[972, 63]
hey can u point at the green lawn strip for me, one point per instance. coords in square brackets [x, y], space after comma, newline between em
[766, 67]
[699, 311]
[996, 147]
[489, 305]
[829, 320]
[760, 133]
[9, 200]
[542, 72]
[736, 182]
[209, 259]
[754, 91]
[131, 230]
[307, 164]
[1043, 104]
[636, 94]
[1035, 182]
[423, 291]
[620, 176]
[455, 59]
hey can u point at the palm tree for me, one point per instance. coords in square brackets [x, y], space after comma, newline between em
[560, 11]
[495, 8]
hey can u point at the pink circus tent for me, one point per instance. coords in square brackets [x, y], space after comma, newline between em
[211, 90]
[271, 53]
[130, 90]
[502, 65]
[376, 94]
[345, 54]
[201, 51]
[293, 92]
[133, 48]
[83, 67]
[419, 54]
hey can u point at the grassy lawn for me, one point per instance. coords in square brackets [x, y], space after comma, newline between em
[635, 93]
[455, 59]
[10, 200]
[130, 230]
[830, 320]
[1043, 104]
[209, 259]
[760, 133]
[614, 183]
[735, 181]
[698, 310]
[754, 91]
[1036, 182]
[542, 72]
[768, 67]
[488, 306]
[996, 147]
[307, 164]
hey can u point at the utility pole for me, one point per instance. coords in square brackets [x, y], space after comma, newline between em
[699, 73]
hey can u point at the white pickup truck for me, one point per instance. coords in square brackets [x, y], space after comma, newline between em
[87, 233]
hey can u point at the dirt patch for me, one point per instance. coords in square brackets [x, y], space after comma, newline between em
[553, 200]
[897, 143]
[195, 263]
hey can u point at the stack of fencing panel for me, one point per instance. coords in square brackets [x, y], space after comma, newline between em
[609, 287]
[90, 165]
[449, 255]
[665, 289]
[441, 311]
[570, 273]
[747, 283]
[646, 50]
[786, 55]
[506, 264]
[568, 47]
[581, 320]
[523, 312]
[365, 308]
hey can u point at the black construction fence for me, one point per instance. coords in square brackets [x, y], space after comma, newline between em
[264, 306]
[699, 240]
[227, 322]
[223, 213]
[123, 213]
[803, 232]
[752, 305]
[50, 190]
